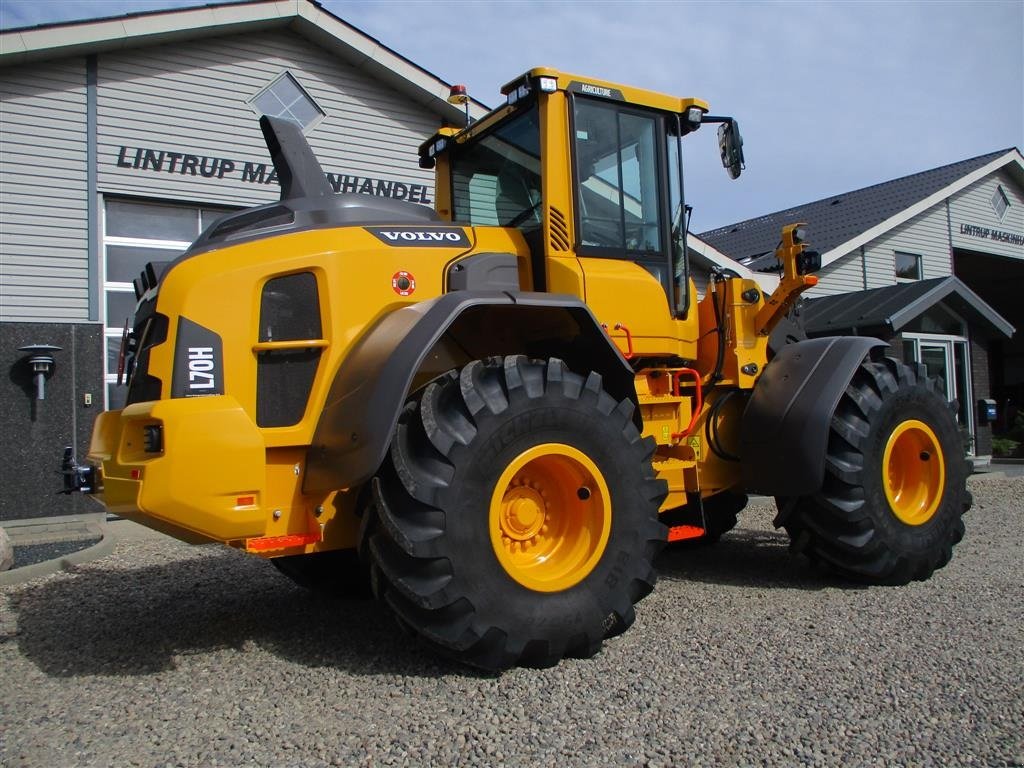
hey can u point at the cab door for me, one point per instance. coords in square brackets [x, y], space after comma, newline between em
[622, 205]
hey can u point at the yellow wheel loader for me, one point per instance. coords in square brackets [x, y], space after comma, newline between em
[494, 413]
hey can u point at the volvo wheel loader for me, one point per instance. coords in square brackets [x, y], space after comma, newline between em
[496, 412]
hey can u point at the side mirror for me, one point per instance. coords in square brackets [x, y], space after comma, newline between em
[730, 145]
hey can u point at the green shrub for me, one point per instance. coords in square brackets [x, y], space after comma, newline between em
[1004, 447]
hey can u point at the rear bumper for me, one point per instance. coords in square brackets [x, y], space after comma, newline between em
[207, 478]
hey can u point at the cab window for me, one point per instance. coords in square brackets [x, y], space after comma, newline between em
[619, 204]
[496, 179]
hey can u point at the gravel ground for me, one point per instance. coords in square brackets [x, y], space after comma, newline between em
[164, 654]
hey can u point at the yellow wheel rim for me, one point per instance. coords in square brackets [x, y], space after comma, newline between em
[915, 472]
[550, 517]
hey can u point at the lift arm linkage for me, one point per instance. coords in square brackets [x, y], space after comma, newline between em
[796, 264]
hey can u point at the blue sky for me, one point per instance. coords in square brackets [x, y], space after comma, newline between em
[831, 96]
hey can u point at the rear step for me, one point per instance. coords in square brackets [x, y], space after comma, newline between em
[683, 532]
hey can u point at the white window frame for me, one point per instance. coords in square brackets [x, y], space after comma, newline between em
[920, 267]
[949, 343]
[287, 75]
[1000, 194]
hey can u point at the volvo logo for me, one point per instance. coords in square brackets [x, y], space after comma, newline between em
[436, 237]
[420, 237]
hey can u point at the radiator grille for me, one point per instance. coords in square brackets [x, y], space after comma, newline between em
[289, 312]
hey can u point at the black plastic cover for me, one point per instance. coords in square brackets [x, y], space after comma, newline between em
[373, 381]
[485, 272]
[784, 431]
[198, 361]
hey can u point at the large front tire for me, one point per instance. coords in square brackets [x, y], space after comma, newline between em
[516, 515]
[890, 509]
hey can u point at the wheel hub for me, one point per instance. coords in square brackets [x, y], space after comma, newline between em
[914, 472]
[523, 513]
[550, 517]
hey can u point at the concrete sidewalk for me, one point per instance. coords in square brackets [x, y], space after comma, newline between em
[59, 529]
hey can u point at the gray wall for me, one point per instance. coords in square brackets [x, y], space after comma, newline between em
[44, 270]
[192, 98]
[972, 207]
[189, 98]
[33, 433]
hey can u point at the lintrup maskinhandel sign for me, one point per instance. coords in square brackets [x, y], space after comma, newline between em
[206, 167]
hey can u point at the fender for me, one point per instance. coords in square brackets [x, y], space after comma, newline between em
[414, 344]
[784, 430]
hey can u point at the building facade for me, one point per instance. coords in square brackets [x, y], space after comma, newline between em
[926, 262]
[122, 139]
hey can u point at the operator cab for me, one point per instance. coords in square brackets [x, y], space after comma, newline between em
[620, 174]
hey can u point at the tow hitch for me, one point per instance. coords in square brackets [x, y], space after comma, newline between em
[77, 477]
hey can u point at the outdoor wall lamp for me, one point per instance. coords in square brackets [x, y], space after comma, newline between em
[41, 360]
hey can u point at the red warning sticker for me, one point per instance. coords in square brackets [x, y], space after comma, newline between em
[403, 283]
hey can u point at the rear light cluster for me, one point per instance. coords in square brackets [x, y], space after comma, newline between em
[153, 438]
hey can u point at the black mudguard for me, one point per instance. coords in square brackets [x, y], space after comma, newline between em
[373, 382]
[784, 431]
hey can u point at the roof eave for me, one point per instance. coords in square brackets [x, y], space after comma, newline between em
[304, 17]
[951, 286]
[1011, 159]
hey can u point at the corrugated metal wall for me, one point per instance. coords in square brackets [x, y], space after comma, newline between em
[44, 269]
[192, 99]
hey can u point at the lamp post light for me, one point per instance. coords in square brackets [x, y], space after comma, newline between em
[41, 360]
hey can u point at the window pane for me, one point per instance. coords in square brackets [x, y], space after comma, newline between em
[268, 104]
[151, 222]
[482, 199]
[937, 319]
[116, 396]
[286, 89]
[496, 180]
[963, 383]
[120, 306]
[210, 215]
[304, 112]
[618, 170]
[1000, 202]
[908, 266]
[126, 262]
[640, 183]
[937, 365]
[113, 352]
[597, 157]
[285, 98]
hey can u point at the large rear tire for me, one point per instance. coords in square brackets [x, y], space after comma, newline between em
[516, 515]
[890, 509]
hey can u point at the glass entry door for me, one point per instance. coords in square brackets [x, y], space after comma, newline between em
[948, 362]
